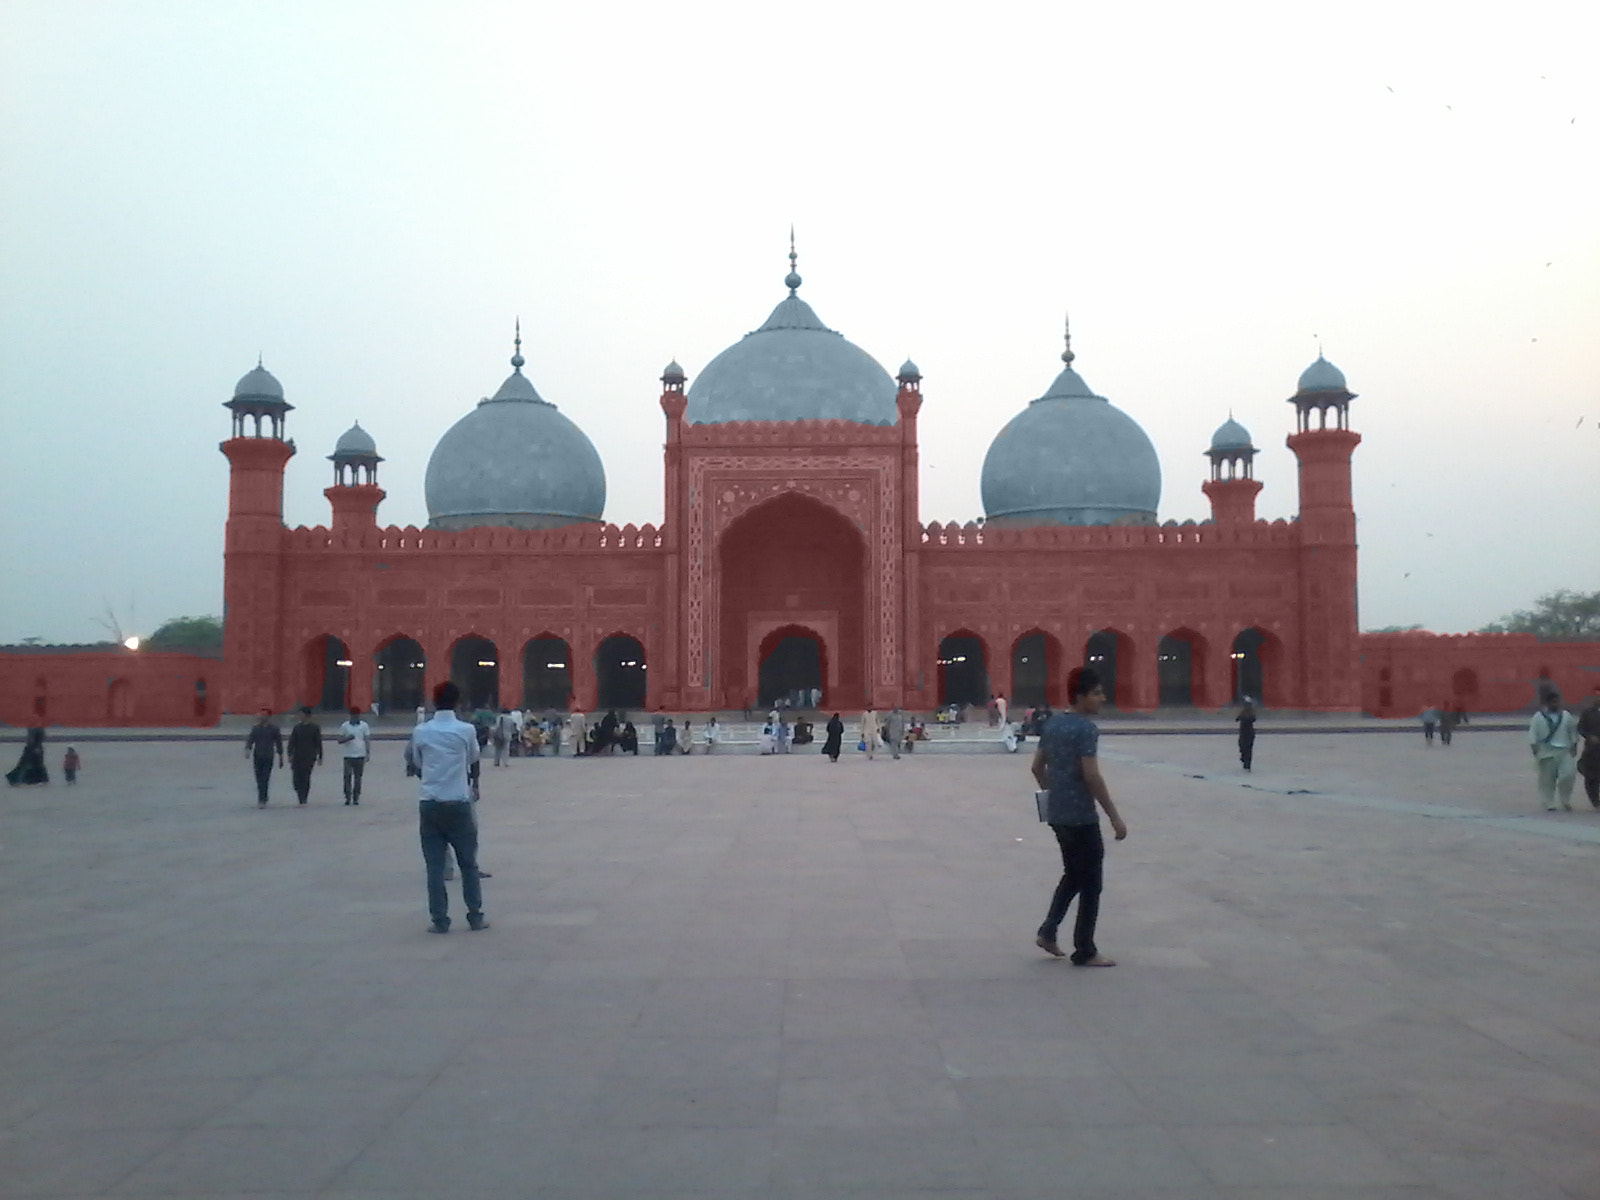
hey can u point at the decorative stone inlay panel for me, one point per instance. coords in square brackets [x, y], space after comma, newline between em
[864, 488]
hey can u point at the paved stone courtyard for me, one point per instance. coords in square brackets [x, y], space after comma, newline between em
[1368, 970]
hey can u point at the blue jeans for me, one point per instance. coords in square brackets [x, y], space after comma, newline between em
[444, 826]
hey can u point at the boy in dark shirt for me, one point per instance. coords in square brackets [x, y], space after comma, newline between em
[1067, 767]
[305, 752]
[260, 744]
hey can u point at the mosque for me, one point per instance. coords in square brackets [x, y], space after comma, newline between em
[792, 556]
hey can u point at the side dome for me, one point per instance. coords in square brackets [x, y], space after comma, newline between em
[1071, 458]
[1231, 435]
[1321, 376]
[794, 368]
[354, 442]
[514, 462]
[258, 382]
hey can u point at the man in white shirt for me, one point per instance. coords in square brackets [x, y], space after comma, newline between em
[442, 750]
[355, 745]
[1553, 738]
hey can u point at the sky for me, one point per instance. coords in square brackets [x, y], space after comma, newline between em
[368, 195]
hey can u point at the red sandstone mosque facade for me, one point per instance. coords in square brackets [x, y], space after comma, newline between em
[792, 557]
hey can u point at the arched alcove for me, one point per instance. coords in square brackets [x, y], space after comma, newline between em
[475, 669]
[963, 669]
[325, 674]
[1108, 651]
[1036, 676]
[1180, 668]
[792, 661]
[792, 561]
[619, 671]
[546, 672]
[399, 674]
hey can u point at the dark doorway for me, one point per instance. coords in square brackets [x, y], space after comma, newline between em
[400, 676]
[792, 662]
[963, 671]
[327, 675]
[546, 673]
[1101, 653]
[400, 682]
[1173, 671]
[1036, 671]
[619, 669]
[1464, 686]
[475, 669]
[1249, 678]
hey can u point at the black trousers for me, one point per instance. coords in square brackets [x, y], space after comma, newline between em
[301, 773]
[263, 778]
[1082, 858]
[1247, 750]
[353, 767]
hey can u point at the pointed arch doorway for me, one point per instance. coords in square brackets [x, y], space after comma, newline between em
[791, 660]
[792, 564]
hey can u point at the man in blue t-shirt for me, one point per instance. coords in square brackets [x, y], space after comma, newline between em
[1066, 766]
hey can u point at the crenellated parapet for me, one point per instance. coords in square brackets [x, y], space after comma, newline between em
[1085, 537]
[829, 432]
[479, 539]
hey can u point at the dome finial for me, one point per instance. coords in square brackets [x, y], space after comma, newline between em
[516, 354]
[792, 279]
[1066, 355]
[258, 360]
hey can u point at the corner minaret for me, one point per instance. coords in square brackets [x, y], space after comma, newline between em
[1232, 487]
[355, 494]
[1324, 443]
[252, 573]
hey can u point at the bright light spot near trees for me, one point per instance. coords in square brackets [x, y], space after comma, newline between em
[132, 643]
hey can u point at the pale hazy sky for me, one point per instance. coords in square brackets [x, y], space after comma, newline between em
[369, 193]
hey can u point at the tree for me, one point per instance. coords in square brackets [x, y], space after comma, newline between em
[1561, 616]
[197, 635]
[1396, 629]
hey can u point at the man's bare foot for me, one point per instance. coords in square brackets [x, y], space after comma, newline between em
[1099, 960]
[1049, 947]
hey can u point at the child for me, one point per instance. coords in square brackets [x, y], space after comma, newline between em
[70, 765]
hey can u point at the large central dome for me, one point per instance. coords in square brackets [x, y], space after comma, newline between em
[515, 462]
[794, 368]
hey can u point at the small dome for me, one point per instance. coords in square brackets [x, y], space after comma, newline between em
[355, 442]
[258, 382]
[908, 371]
[673, 373]
[1231, 435]
[516, 462]
[1071, 458]
[794, 368]
[1321, 376]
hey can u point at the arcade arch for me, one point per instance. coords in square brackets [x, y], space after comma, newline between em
[119, 702]
[325, 674]
[546, 672]
[619, 672]
[1256, 658]
[792, 562]
[963, 669]
[1108, 651]
[1036, 676]
[1181, 668]
[399, 667]
[475, 669]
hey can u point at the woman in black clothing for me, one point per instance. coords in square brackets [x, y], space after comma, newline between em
[1247, 732]
[835, 738]
[30, 767]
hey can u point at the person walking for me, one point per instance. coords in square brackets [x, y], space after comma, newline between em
[305, 752]
[578, 727]
[835, 739]
[871, 733]
[1430, 718]
[894, 729]
[500, 733]
[441, 751]
[1002, 708]
[1553, 739]
[30, 768]
[355, 749]
[71, 764]
[263, 740]
[1448, 719]
[1589, 752]
[1066, 765]
[1247, 732]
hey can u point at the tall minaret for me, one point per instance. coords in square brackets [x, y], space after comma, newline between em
[252, 572]
[1233, 486]
[1324, 442]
